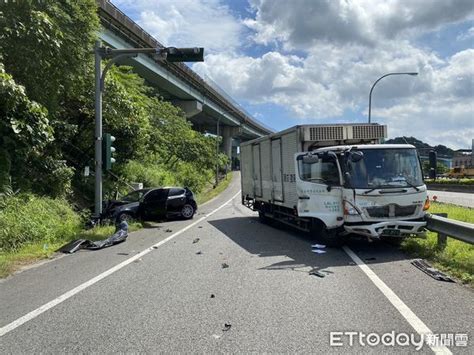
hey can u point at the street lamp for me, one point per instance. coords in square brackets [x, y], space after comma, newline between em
[170, 54]
[383, 76]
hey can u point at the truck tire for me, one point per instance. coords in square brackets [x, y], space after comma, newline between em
[262, 218]
[328, 237]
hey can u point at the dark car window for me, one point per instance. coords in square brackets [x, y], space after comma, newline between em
[134, 196]
[158, 194]
[176, 192]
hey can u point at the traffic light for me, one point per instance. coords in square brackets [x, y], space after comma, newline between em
[107, 151]
[184, 54]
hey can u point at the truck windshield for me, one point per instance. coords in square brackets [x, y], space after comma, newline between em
[385, 168]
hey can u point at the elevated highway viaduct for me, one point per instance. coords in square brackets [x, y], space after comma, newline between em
[208, 108]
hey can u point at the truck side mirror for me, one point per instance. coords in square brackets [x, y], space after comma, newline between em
[310, 159]
[356, 156]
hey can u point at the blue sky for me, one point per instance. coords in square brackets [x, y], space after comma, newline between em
[314, 61]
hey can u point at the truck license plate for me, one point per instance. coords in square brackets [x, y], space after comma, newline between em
[391, 232]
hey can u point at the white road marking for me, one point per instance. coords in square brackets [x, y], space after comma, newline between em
[401, 307]
[35, 313]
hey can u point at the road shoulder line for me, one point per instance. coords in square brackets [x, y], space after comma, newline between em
[416, 323]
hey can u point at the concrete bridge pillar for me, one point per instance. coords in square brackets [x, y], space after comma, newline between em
[227, 133]
[190, 107]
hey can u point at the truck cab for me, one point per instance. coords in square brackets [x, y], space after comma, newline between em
[374, 190]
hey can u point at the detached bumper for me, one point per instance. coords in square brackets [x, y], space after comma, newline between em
[376, 230]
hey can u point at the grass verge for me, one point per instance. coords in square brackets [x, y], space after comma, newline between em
[457, 259]
[11, 261]
[210, 192]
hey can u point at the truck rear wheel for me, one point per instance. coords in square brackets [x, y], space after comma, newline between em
[262, 218]
[323, 235]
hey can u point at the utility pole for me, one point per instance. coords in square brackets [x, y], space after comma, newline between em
[98, 132]
[170, 54]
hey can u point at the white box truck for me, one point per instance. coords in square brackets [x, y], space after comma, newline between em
[335, 180]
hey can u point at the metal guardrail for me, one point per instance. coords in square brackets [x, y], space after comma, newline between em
[446, 227]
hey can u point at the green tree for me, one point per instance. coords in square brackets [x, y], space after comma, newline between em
[24, 129]
[46, 46]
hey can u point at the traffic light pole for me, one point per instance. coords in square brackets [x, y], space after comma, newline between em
[98, 131]
[171, 54]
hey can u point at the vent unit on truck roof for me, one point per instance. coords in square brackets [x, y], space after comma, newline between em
[326, 133]
[368, 132]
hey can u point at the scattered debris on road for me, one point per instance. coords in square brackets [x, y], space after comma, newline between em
[138, 260]
[155, 247]
[315, 272]
[200, 227]
[213, 295]
[168, 230]
[199, 252]
[351, 263]
[196, 240]
[225, 266]
[120, 235]
[431, 271]
[123, 254]
[226, 327]
[370, 259]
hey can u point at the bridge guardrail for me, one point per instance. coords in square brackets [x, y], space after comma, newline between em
[446, 227]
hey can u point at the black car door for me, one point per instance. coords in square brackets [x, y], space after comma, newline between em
[176, 200]
[154, 204]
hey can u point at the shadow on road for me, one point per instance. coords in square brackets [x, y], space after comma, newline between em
[266, 241]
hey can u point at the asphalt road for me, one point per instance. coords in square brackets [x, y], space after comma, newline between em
[456, 198]
[169, 292]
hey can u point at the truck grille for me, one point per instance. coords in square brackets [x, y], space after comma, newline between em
[326, 133]
[392, 210]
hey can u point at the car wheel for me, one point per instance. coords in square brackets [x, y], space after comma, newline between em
[187, 212]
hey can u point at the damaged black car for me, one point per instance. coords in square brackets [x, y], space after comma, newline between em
[153, 204]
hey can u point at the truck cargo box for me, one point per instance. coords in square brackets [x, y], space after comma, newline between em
[268, 165]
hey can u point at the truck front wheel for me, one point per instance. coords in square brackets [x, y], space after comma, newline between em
[323, 235]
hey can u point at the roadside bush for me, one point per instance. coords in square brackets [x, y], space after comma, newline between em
[196, 179]
[448, 181]
[151, 175]
[28, 218]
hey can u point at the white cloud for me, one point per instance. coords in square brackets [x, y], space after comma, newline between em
[302, 23]
[342, 46]
[319, 87]
[465, 36]
[188, 23]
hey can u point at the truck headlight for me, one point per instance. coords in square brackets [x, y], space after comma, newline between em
[350, 210]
